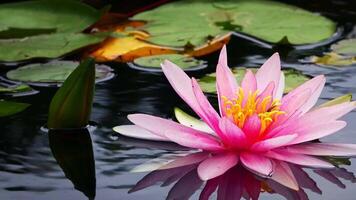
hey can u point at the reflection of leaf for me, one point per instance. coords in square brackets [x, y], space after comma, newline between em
[76, 94]
[61, 16]
[183, 61]
[293, 79]
[195, 22]
[52, 72]
[346, 47]
[338, 161]
[45, 46]
[338, 100]
[10, 108]
[333, 59]
[73, 151]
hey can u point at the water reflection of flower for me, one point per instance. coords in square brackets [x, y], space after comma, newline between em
[257, 126]
[235, 183]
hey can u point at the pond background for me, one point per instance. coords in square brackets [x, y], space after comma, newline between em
[29, 171]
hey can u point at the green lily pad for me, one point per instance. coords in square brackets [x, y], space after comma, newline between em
[45, 46]
[15, 89]
[53, 72]
[154, 62]
[338, 100]
[345, 47]
[196, 22]
[293, 79]
[8, 108]
[55, 15]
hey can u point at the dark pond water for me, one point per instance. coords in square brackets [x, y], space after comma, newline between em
[28, 169]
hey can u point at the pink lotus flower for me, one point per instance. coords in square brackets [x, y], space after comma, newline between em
[257, 126]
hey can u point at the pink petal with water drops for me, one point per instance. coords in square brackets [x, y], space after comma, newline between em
[298, 159]
[195, 140]
[270, 71]
[226, 84]
[257, 163]
[138, 132]
[324, 149]
[217, 165]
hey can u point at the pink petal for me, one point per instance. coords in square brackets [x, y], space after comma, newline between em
[186, 160]
[324, 149]
[248, 83]
[294, 103]
[257, 163]
[233, 135]
[315, 85]
[272, 143]
[326, 114]
[270, 71]
[298, 159]
[317, 131]
[284, 175]
[182, 84]
[157, 125]
[208, 113]
[226, 84]
[138, 132]
[268, 91]
[195, 140]
[280, 87]
[252, 127]
[216, 165]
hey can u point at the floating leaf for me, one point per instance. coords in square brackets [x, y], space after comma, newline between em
[154, 62]
[345, 47]
[71, 105]
[53, 72]
[56, 15]
[338, 100]
[333, 59]
[293, 79]
[190, 121]
[73, 151]
[8, 108]
[45, 46]
[195, 22]
[15, 89]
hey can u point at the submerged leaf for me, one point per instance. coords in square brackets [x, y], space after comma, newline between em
[345, 47]
[45, 46]
[333, 59]
[293, 79]
[338, 100]
[183, 61]
[8, 108]
[71, 105]
[15, 89]
[53, 72]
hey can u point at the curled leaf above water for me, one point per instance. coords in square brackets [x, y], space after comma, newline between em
[71, 105]
[333, 59]
[53, 73]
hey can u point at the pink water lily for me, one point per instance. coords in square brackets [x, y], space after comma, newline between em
[256, 125]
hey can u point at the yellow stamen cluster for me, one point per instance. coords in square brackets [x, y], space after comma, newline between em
[241, 108]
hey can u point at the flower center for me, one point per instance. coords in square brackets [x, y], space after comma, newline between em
[241, 108]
